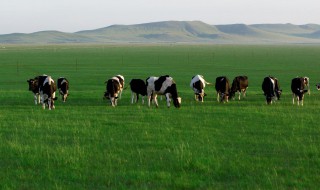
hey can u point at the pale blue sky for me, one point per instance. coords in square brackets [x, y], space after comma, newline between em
[27, 16]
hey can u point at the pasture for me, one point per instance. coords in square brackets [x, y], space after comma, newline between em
[87, 144]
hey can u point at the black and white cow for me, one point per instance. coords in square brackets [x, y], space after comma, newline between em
[271, 89]
[63, 87]
[163, 85]
[34, 87]
[112, 90]
[198, 84]
[239, 84]
[48, 92]
[318, 86]
[138, 87]
[306, 82]
[223, 89]
[297, 88]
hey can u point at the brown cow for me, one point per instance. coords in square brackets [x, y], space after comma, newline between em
[239, 84]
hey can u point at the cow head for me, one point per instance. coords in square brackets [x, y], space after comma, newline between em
[112, 99]
[33, 85]
[318, 86]
[200, 96]
[278, 93]
[232, 94]
[174, 93]
[177, 102]
[224, 97]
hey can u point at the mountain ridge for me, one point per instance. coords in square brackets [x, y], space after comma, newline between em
[176, 32]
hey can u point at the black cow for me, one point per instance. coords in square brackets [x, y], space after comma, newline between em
[163, 85]
[297, 88]
[271, 89]
[34, 87]
[48, 92]
[223, 89]
[113, 89]
[63, 87]
[198, 84]
[239, 84]
[138, 86]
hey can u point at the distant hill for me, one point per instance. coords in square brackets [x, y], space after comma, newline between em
[176, 32]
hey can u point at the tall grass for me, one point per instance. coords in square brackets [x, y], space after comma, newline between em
[86, 144]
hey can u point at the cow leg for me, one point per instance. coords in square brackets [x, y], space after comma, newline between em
[120, 92]
[293, 96]
[149, 100]
[142, 99]
[39, 98]
[168, 100]
[239, 94]
[42, 100]
[132, 97]
[35, 97]
[65, 97]
[218, 98]
[49, 103]
[154, 97]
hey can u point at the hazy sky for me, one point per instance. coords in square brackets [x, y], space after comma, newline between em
[26, 16]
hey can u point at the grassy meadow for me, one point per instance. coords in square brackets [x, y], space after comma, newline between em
[87, 144]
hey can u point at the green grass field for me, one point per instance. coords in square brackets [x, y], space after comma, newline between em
[87, 144]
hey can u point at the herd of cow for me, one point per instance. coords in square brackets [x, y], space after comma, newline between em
[44, 88]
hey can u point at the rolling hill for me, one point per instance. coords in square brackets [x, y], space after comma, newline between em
[176, 32]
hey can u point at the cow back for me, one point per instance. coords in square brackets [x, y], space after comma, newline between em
[113, 87]
[158, 83]
[239, 83]
[297, 85]
[138, 86]
[222, 85]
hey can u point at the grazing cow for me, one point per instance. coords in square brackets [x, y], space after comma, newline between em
[318, 86]
[297, 88]
[239, 84]
[163, 85]
[306, 82]
[34, 86]
[63, 87]
[113, 89]
[198, 84]
[48, 92]
[138, 86]
[223, 89]
[121, 81]
[271, 89]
